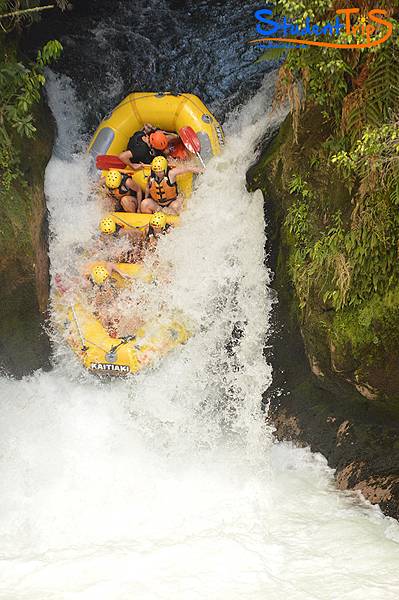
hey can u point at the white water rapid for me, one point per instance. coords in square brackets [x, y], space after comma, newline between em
[168, 486]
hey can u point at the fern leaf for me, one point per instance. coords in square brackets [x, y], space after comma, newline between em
[382, 85]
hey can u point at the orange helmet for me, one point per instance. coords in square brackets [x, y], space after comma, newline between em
[158, 140]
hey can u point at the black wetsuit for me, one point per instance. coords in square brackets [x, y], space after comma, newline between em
[141, 152]
[151, 232]
[122, 190]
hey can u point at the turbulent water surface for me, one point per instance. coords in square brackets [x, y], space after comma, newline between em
[169, 486]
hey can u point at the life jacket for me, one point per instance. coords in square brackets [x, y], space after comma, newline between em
[177, 149]
[123, 189]
[163, 192]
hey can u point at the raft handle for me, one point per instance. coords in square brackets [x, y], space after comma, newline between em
[111, 354]
[162, 94]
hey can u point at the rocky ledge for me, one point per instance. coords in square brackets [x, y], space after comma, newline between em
[312, 402]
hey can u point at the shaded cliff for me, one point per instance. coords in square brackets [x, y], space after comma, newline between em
[329, 393]
[26, 141]
[24, 265]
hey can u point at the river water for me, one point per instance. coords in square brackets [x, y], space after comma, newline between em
[170, 486]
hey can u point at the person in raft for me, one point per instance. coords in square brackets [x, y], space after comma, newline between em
[92, 278]
[144, 145]
[101, 275]
[157, 226]
[109, 227]
[135, 253]
[141, 238]
[102, 294]
[124, 190]
[161, 192]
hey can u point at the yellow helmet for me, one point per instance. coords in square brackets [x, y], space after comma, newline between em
[99, 274]
[108, 225]
[159, 163]
[113, 179]
[158, 219]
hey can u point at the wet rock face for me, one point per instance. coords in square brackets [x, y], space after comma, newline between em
[320, 397]
[363, 454]
[148, 45]
[369, 362]
[24, 265]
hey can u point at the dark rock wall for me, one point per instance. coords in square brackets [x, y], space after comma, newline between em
[315, 399]
[24, 268]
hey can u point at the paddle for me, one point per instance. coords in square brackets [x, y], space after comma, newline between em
[108, 161]
[191, 141]
[105, 162]
[187, 136]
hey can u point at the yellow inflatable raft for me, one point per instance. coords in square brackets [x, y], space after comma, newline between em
[167, 111]
[139, 220]
[104, 354]
[98, 351]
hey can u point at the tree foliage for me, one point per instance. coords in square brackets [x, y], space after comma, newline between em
[20, 91]
[18, 13]
[345, 258]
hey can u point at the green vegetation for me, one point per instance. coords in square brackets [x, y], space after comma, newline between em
[20, 93]
[317, 263]
[26, 138]
[20, 84]
[22, 155]
[344, 247]
[18, 13]
[20, 87]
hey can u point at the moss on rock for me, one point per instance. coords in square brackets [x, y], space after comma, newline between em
[358, 343]
[24, 264]
[336, 372]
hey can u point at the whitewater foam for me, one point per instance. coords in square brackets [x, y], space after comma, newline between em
[169, 485]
